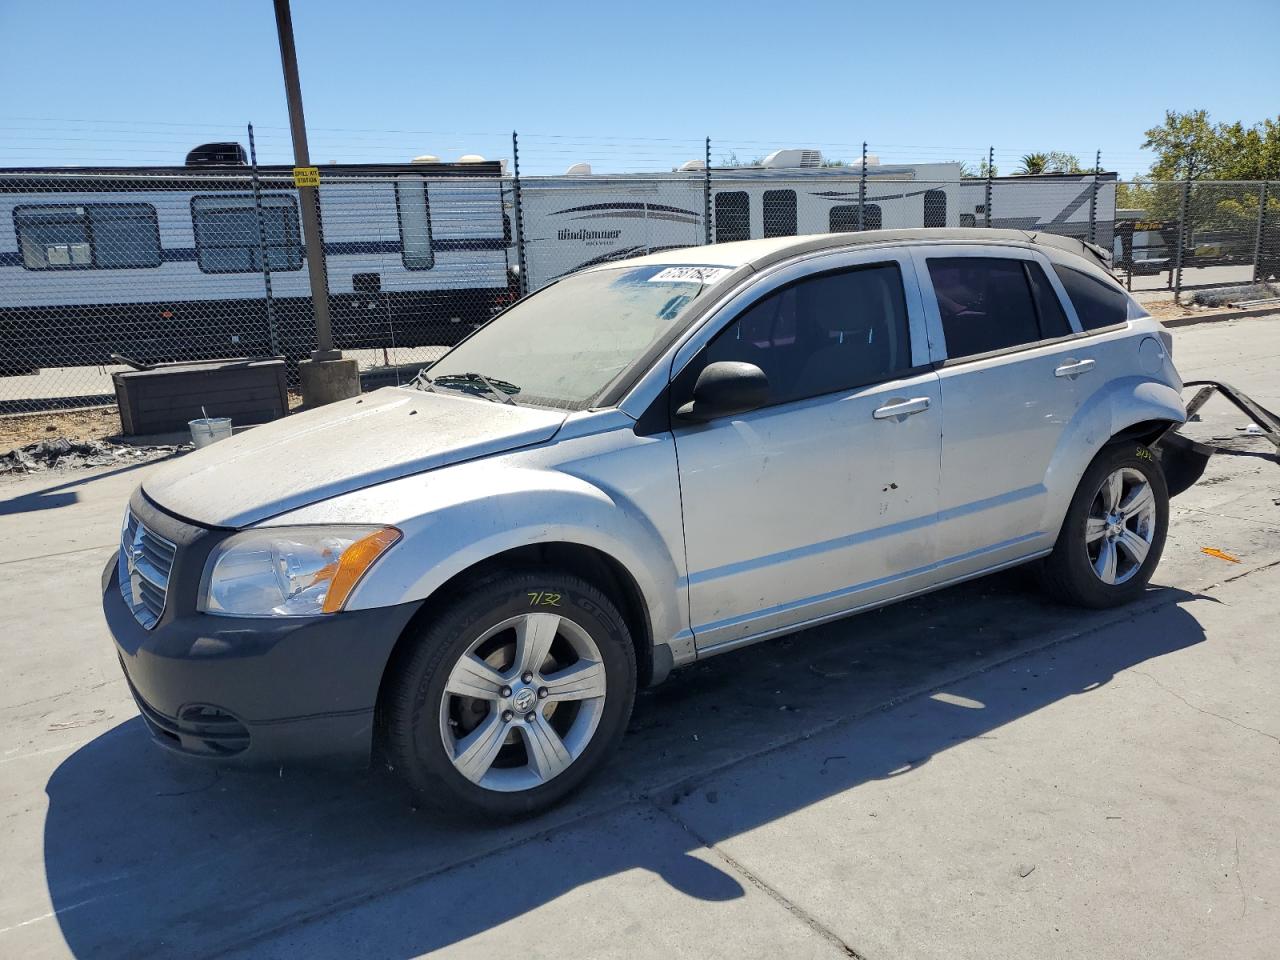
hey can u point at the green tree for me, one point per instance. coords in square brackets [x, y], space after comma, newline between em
[1058, 161]
[1055, 161]
[1248, 153]
[1187, 146]
[1034, 163]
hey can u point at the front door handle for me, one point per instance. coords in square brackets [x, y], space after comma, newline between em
[899, 408]
[1072, 368]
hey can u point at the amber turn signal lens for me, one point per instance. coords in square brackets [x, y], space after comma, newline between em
[356, 561]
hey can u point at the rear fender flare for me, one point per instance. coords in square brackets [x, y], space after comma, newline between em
[1107, 413]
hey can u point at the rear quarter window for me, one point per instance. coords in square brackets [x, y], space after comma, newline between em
[1097, 303]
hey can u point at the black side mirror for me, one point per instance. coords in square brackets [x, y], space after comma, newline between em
[725, 388]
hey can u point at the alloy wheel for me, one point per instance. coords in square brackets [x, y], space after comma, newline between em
[1120, 526]
[523, 702]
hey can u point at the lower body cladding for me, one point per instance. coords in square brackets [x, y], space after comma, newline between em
[257, 691]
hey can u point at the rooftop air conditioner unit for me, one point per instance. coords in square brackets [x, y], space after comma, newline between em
[793, 158]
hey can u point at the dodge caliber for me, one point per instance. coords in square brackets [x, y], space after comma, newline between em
[642, 464]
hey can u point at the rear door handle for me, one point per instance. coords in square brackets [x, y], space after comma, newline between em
[899, 408]
[1073, 368]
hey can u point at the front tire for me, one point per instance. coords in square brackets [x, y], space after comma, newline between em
[1114, 531]
[512, 695]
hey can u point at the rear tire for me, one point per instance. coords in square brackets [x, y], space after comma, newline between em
[1114, 531]
[512, 695]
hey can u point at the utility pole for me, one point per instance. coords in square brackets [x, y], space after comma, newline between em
[327, 377]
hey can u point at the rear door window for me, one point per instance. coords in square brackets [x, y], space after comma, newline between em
[985, 304]
[1097, 303]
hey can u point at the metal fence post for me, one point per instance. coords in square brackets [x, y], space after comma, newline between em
[1093, 199]
[986, 207]
[1182, 239]
[706, 192]
[522, 264]
[862, 190]
[272, 336]
[1262, 226]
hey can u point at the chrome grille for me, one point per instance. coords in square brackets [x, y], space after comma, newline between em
[146, 559]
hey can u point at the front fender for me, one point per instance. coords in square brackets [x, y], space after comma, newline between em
[1117, 406]
[455, 518]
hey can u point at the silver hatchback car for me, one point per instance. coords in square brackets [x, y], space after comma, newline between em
[643, 464]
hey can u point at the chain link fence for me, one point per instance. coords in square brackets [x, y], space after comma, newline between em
[1198, 235]
[100, 270]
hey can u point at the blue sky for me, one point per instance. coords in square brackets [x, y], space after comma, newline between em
[625, 86]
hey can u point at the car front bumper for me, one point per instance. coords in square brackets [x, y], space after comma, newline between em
[250, 690]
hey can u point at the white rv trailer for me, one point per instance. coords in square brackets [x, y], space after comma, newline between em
[166, 263]
[580, 219]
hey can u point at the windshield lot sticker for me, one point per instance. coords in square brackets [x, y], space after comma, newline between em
[691, 274]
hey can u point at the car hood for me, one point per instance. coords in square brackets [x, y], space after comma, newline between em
[338, 448]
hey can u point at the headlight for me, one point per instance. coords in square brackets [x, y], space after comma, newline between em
[290, 571]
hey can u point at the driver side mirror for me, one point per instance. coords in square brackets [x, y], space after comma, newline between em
[725, 388]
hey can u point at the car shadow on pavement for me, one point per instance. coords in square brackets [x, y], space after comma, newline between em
[146, 855]
[64, 494]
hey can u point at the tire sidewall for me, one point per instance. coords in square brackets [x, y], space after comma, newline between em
[1071, 539]
[430, 769]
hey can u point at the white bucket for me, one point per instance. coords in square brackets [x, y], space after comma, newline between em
[209, 430]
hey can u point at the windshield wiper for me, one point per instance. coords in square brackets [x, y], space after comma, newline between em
[499, 390]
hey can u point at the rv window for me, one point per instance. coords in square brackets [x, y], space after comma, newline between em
[985, 304]
[1097, 304]
[414, 209]
[935, 208]
[779, 213]
[103, 236]
[227, 238]
[844, 218]
[733, 217]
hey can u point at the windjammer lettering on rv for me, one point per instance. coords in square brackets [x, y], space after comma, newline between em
[589, 234]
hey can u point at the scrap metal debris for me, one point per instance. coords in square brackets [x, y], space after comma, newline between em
[59, 453]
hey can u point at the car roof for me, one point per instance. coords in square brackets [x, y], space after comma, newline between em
[758, 254]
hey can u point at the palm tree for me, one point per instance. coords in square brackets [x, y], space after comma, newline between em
[1034, 163]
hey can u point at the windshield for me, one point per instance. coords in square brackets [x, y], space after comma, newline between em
[562, 346]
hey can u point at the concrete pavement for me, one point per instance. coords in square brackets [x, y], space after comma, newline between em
[974, 774]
